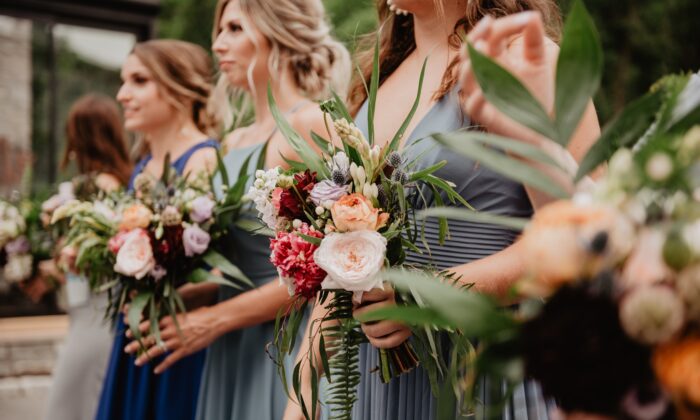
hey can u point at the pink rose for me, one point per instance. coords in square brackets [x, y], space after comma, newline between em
[202, 208]
[355, 212]
[136, 216]
[135, 257]
[294, 259]
[116, 241]
[195, 240]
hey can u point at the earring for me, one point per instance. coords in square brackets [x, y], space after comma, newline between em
[395, 9]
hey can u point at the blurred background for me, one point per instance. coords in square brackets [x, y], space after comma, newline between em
[53, 51]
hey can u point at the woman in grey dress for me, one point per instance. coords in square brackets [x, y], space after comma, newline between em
[286, 44]
[482, 254]
[97, 145]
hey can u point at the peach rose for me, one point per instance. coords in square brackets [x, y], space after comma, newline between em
[355, 212]
[136, 216]
[135, 257]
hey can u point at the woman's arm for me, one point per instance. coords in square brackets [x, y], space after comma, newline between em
[202, 326]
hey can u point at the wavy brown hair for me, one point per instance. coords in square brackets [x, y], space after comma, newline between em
[95, 138]
[396, 41]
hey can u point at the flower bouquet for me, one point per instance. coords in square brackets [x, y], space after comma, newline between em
[610, 322]
[141, 247]
[339, 219]
[23, 241]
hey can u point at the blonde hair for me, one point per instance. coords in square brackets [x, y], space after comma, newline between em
[300, 39]
[184, 71]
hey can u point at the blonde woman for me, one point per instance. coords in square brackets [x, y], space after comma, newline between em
[485, 255]
[164, 94]
[286, 44]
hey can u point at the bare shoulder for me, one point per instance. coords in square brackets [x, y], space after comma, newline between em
[309, 118]
[203, 159]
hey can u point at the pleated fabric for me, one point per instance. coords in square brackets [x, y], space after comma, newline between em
[409, 397]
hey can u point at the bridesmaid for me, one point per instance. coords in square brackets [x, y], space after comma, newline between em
[482, 254]
[96, 143]
[164, 94]
[286, 44]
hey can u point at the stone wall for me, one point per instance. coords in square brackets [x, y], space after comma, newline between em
[15, 100]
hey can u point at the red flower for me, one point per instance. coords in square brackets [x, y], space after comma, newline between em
[168, 250]
[294, 259]
[291, 202]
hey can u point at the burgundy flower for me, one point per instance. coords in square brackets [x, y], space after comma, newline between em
[291, 202]
[168, 250]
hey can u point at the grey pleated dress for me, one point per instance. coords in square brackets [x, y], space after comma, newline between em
[240, 381]
[80, 369]
[408, 397]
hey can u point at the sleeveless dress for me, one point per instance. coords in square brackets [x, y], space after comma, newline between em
[409, 397]
[136, 393]
[240, 381]
[80, 370]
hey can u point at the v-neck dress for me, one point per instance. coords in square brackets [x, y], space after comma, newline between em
[409, 397]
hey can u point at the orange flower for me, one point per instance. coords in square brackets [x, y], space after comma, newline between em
[355, 212]
[677, 366]
[136, 216]
[557, 243]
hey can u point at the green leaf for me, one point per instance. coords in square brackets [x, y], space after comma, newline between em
[221, 167]
[340, 107]
[307, 154]
[136, 307]
[455, 139]
[310, 239]
[624, 130]
[200, 275]
[507, 94]
[455, 213]
[261, 157]
[324, 357]
[415, 176]
[410, 315]
[579, 70]
[372, 96]
[217, 260]
[395, 142]
[686, 110]
[510, 167]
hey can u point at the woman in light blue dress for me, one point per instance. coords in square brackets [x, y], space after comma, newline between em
[481, 254]
[285, 44]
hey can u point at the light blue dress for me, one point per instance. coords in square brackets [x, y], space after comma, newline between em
[240, 381]
[408, 397]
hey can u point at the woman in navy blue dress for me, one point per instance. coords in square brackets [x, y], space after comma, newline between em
[166, 85]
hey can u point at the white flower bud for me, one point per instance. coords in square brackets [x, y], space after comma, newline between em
[320, 210]
[259, 183]
[296, 223]
[659, 166]
[259, 173]
[328, 204]
[361, 175]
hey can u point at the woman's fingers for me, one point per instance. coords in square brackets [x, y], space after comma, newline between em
[170, 360]
[527, 24]
[392, 340]
[157, 350]
[382, 328]
[480, 30]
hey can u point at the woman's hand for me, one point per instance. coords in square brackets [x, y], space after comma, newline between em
[381, 334]
[199, 330]
[518, 43]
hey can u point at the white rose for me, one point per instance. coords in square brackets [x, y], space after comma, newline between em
[18, 268]
[135, 257]
[8, 230]
[353, 261]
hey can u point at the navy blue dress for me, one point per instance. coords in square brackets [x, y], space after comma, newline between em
[136, 393]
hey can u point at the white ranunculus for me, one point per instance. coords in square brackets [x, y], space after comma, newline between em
[18, 268]
[651, 314]
[135, 257]
[8, 231]
[353, 261]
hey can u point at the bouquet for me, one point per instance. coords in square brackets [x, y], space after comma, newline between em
[141, 247]
[610, 321]
[339, 219]
[23, 241]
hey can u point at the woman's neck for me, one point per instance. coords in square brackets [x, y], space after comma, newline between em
[286, 94]
[174, 138]
[432, 28]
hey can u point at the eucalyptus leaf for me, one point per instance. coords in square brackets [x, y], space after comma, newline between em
[200, 275]
[510, 167]
[579, 70]
[217, 260]
[136, 306]
[455, 213]
[509, 96]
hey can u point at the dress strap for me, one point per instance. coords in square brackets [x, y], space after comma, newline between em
[180, 163]
[137, 170]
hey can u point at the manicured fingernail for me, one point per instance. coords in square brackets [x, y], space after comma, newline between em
[138, 362]
[156, 371]
[523, 17]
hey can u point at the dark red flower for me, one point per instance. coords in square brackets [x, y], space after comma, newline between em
[294, 259]
[292, 200]
[168, 250]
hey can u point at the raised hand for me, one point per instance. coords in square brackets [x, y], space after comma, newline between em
[381, 334]
[197, 331]
[518, 43]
